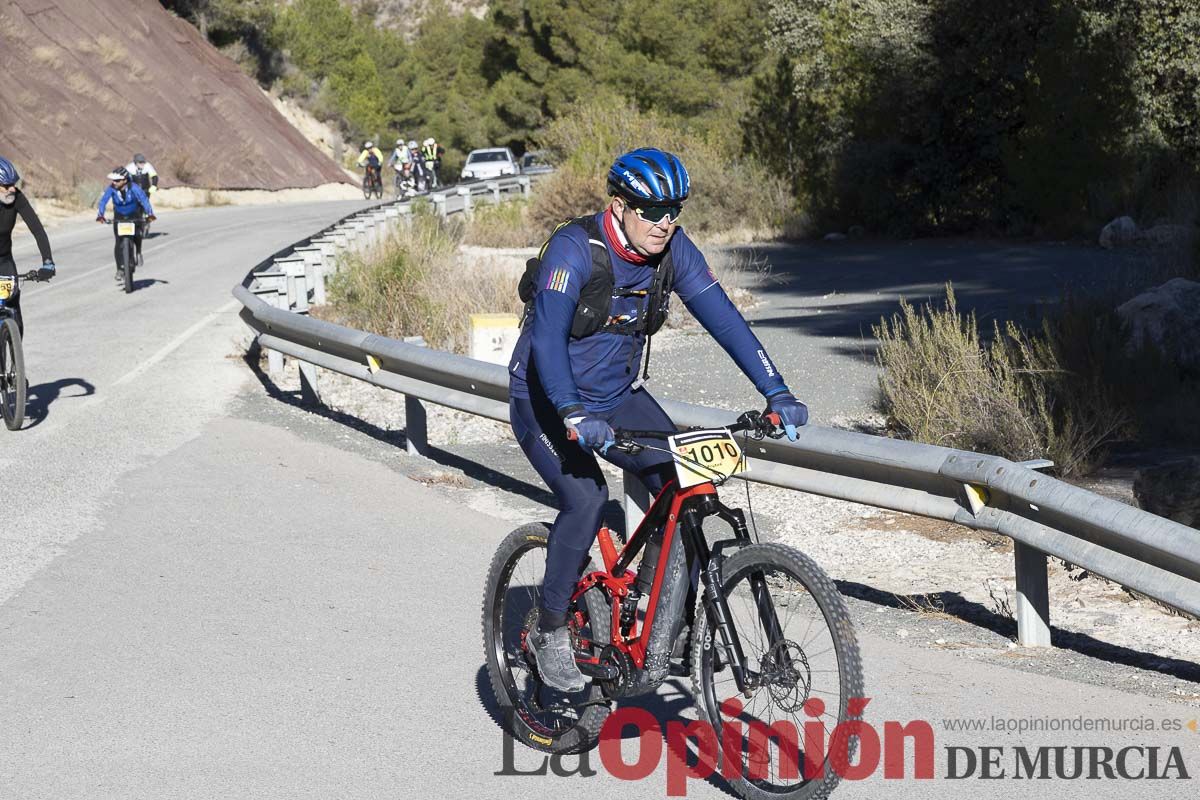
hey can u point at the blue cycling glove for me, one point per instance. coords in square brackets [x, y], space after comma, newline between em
[590, 432]
[792, 413]
[47, 271]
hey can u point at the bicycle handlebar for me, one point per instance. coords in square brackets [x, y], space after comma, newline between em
[754, 422]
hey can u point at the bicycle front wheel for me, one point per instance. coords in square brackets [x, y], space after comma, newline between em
[12, 374]
[802, 655]
[537, 716]
[127, 259]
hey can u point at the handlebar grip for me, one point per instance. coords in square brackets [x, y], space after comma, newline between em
[572, 436]
[774, 419]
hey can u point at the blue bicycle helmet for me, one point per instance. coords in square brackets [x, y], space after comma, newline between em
[649, 175]
[8, 173]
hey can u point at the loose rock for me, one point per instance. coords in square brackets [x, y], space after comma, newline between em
[1118, 233]
[1166, 318]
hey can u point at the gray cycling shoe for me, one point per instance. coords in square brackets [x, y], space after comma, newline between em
[555, 658]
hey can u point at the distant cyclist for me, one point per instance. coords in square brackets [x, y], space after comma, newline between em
[142, 173]
[431, 154]
[401, 156]
[128, 201]
[12, 203]
[401, 161]
[371, 157]
[420, 174]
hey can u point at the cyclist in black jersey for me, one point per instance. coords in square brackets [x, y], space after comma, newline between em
[12, 203]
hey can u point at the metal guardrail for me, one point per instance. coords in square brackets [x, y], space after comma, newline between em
[1042, 515]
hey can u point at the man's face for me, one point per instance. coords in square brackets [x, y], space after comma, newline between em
[119, 185]
[8, 195]
[647, 237]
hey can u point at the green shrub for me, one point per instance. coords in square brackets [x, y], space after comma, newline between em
[913, 116]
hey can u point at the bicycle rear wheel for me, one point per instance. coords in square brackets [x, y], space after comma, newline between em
[536, 715]
[799, 642]
[127, 259]
[12, 374]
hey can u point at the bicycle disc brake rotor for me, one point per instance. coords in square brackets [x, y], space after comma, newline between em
[787, 674]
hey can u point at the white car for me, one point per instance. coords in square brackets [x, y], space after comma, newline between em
[489, 163]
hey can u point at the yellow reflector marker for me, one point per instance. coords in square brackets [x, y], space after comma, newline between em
[372, 363]
[977, 496]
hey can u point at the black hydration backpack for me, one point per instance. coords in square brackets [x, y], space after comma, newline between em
[593, 314]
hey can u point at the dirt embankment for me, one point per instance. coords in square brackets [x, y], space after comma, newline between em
[90, 82]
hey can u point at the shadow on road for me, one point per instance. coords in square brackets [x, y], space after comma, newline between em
[954, 605]
[37, 405]
[471, 469]
[664, 709]
[144, 283]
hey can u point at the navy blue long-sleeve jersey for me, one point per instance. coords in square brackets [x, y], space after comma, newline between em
[597, 371]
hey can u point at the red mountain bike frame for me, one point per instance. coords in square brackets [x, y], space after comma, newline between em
[671, 507]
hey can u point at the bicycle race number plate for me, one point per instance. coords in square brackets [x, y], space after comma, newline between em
[126, 229]
[716, 451]
[6, 287]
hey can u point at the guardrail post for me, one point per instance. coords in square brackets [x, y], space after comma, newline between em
[309, 392]
[523, 181]
[297, 292]
[416, 420]
[439, 203]
[494, 188]
[465, 194]
[1033, 597]
[637, 501]
[314, 272]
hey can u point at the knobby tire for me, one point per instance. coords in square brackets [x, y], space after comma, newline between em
[505, 605]
[127, 258]
[741, 568]
[12, 374]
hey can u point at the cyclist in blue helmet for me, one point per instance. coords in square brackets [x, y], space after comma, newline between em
[596, 293]
[13, 203]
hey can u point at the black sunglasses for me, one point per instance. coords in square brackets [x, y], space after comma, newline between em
[655, 214]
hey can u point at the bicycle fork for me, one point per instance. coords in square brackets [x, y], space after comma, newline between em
[715, 602]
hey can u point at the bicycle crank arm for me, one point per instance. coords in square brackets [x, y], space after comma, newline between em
[592, 668]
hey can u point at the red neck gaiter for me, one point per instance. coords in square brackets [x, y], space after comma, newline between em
[623, 250]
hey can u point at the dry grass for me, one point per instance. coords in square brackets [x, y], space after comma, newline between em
[414, 285]
[1011, 397]
[184, 166]
[109, 50]
[48, 56]
[927, 605]
[503, 225]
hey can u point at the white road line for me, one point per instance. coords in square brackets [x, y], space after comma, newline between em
[175, 343]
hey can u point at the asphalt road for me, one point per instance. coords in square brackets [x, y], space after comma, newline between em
[205, 592]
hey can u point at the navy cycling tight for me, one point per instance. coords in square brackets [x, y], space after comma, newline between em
[574, 476]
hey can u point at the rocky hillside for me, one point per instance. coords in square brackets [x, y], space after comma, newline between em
[89, 82]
